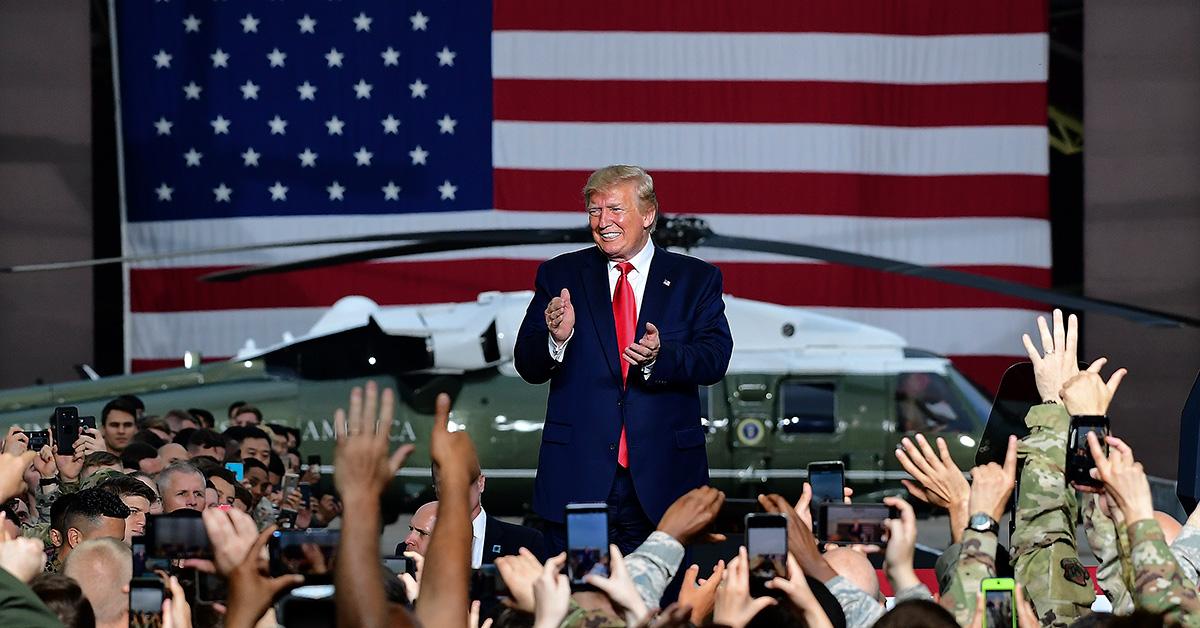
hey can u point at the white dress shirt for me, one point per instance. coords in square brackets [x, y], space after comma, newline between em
[478, 529]
[637, 281]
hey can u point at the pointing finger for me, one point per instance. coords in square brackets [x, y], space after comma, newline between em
[441, 414]
[1010, 458]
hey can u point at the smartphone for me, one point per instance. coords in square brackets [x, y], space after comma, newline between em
[311, 553]
[38, 439]
[587, 542]
[828, 481]
[854, 524]
[998, 609]
[180, 534]
[306, 494]
[1079, 456]
[145, 601]
[238, 468]
[314, 460]
[399, 565]
[290, 482]
[143, 563]
[766, 545]
[211, 588]
[65, 425]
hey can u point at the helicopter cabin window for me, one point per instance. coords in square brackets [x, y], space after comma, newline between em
[807, 407]
[926, 402]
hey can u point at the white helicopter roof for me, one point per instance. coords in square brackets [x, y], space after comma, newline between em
[767, 337]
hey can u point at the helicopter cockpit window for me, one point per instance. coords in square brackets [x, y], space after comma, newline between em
[808, 407]
[926, 402]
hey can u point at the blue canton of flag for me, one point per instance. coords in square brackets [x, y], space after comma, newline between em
[242, 109]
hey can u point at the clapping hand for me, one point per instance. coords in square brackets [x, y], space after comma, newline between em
[645, 351]
[560, 317]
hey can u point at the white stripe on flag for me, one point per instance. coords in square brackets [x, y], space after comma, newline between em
[772, 148]
[954, 331]
[770, 57]
[930, 241]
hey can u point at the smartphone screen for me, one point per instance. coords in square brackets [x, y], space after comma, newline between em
[396, 564]
[854, 524]
[587, 541]
[238, 468]
[311, 553]
[290, 482]
[177, 535]
[145, 602]
[827, 480]
[1079, 455]
[998, 607]
[766, 545]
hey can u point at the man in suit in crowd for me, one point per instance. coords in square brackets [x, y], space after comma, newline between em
[625, 332]
[490, 537]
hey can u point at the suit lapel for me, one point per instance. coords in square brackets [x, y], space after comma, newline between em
[594, 279]
[654, 296]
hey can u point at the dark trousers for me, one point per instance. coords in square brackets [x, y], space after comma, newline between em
[628, 525]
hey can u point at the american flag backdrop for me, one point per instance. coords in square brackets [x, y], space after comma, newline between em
[910, 129]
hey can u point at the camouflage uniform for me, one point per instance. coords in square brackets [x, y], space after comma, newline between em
[863, 610]
[976, 562]
[578, 617]
[1160, 586]
[653, 565]
[1045, 559]
[1110, 545]
[1186, 549]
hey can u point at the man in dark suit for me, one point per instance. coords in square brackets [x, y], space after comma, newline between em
[490, 537]
[623, 416]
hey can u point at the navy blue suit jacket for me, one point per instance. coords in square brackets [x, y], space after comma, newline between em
[587, 403]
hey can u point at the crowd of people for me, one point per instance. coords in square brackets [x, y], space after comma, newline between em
[69, 521]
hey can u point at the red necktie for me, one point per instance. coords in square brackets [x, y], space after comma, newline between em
[625, 316]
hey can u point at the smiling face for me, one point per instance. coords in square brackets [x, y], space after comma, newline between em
[619, 225]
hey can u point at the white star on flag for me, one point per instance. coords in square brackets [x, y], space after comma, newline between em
[419, 21]
[192, 157]
[446, 124]
[334, 125]
[278, 192]
[362, 23]
[362, 157]
[162, 59]
[418, 88]
[334, 58]
[278, 125]
[307, 24]
[249, 90]
[391, 192]
[390, 125]
[391, 56]
[446, 56]
[222, 192]
[307, 91]
[191, 91]
[249, 24]
[276, 57]
[362, 89]
[250, 157]
[447, 190]
[163, 126]
[308, 159]
[418, 155]
[164, 192]
[220, 58]
[336, 191]
[191, 24]
[220, 125]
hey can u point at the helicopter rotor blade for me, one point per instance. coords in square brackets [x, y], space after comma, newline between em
[1133, 313]
[456, 241]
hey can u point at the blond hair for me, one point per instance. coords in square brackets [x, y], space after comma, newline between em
[609, 176]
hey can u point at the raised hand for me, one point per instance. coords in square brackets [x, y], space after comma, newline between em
[795, 586]
[734, 607]
[938, 480]
[519, 573]
[176, 611]
[15, 442]
[620, 589]
[23, 557]
[1058, 360]
[89, 441]
[1124, 479]
[902, 545]
[1088, 394]
[552, 594]
[700, 597]
[991, 484]
[250, 592]
[688, 518]
[363, 467]
[644, 351]
[12, 473]
[560, 316]
[452, 452]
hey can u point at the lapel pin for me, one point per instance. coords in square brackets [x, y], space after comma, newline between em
[667, 282]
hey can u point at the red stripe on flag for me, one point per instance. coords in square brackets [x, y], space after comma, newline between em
[867, 195]
[912, 17]
[404, 283]
[985, 370]
[770, 101]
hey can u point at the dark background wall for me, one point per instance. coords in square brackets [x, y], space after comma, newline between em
[1141, 221]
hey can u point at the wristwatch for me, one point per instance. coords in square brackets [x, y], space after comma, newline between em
[983, 522]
